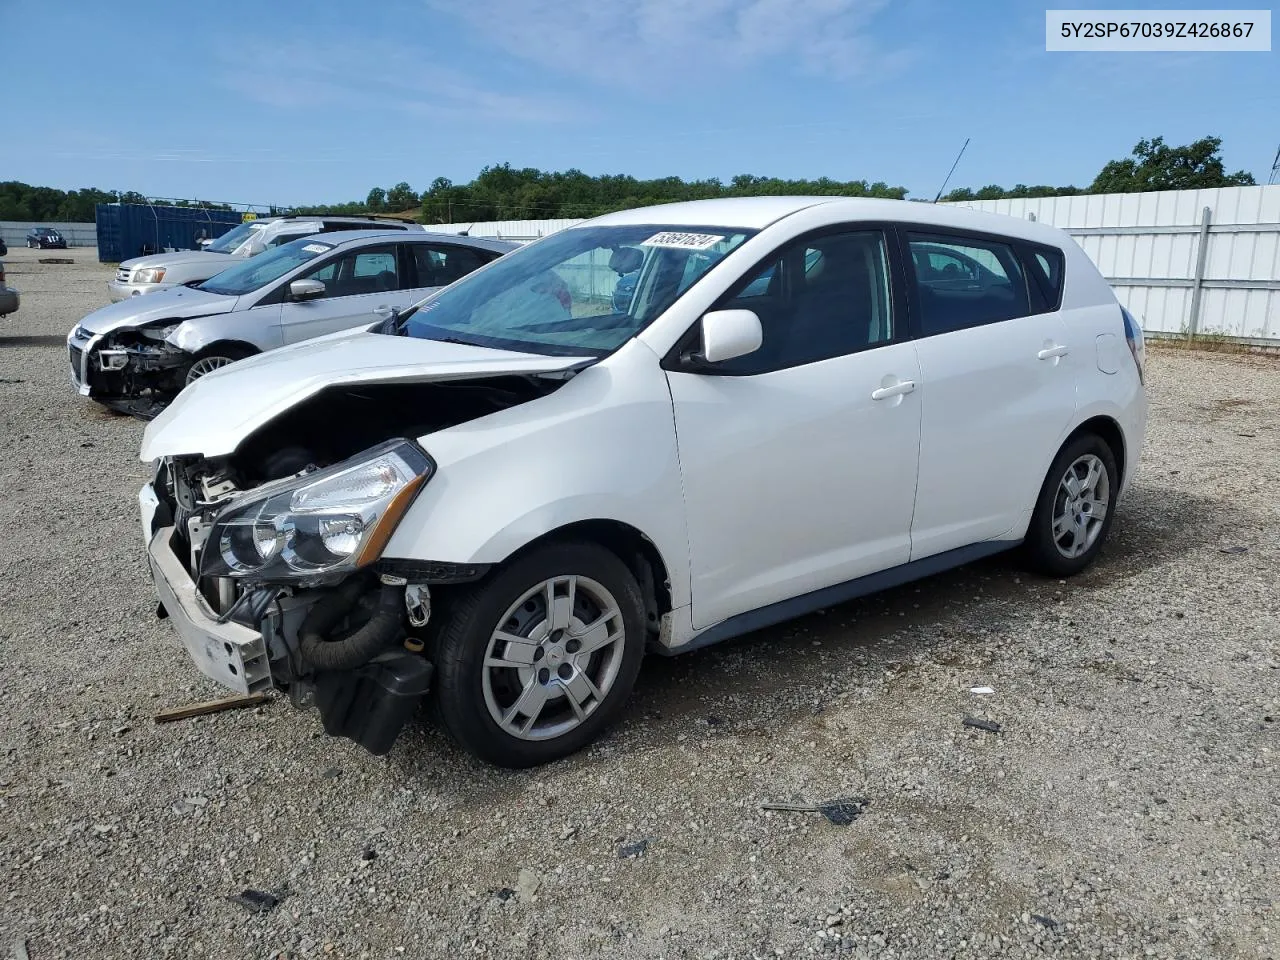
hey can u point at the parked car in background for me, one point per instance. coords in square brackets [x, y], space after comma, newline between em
[45, 238]
[9, 298]
[790, 412]
[136, 354]
[4, 247]
[163, 271]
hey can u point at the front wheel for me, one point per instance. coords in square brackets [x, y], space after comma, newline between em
[214, 359]
[1075, 509]
[534, 664]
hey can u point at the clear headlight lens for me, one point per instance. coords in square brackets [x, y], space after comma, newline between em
[325, 522]
[147, 275]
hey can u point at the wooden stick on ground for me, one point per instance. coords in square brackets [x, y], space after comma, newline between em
[210, 706]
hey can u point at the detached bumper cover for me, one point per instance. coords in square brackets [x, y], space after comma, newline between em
[230, 653]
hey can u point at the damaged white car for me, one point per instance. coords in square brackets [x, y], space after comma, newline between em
[502, 498]
[135, 355]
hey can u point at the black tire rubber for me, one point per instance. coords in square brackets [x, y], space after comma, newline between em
[1039, 549]
[472, 618]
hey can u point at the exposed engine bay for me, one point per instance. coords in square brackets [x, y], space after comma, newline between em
[351, 640]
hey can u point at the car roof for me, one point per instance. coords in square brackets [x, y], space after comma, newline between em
[337, 237]
[756, 213]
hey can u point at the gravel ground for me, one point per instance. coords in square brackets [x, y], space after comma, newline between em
[1127, 808]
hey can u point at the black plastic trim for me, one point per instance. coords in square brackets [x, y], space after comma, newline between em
[432, 571]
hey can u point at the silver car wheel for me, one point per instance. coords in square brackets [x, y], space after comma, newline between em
[1080, 507]
[554, 658]
[207, 365]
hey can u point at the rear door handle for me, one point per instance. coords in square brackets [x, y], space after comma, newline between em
[1049, 353]
[897, 390]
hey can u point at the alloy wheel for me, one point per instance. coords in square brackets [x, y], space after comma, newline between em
[207, 365]
[554, 658]
[1080, 506]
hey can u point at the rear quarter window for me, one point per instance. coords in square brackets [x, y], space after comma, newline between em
[1046, 266]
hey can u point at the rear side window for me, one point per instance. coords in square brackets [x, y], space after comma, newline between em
[439, 266]
[963, 282]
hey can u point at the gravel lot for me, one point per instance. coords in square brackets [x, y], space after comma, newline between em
[1128, 808]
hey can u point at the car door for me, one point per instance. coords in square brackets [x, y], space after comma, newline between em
[998, 389]
[799, 460]
[357, 283]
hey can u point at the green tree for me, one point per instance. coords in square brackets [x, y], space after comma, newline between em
[1157, 166]
[401, 197]
[376, 202]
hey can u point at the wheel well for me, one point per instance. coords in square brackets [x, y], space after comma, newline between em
[239, 346]
[630, 546]
[1111, 435]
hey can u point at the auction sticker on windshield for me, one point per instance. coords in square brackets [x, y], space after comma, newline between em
[683, 241]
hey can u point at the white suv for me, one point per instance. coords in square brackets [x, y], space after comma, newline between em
[177, 268]
[505, 496]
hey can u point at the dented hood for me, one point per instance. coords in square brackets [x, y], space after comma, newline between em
[213, 415]
[176, 304]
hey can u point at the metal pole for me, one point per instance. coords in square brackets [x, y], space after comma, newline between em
[1197, 282]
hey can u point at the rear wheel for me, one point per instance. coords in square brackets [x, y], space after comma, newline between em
[214, 359]
[538, 661]
[1075, 509]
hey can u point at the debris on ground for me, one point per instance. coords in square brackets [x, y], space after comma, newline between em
[56, 260]
[505, 894]
[527, 883]
[841, 811]
[982, 690]
[20, 949]
[210, 706]
[1236, 549]
[1047, 922]
[633, 850]
[988, 725]
[256, 901]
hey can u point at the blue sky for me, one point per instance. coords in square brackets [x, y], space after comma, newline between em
[283, 101]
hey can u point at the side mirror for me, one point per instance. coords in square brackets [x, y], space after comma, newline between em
[727, 334]
[306, 289]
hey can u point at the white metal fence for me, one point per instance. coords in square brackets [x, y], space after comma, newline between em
[1183, 261]
[14, 232]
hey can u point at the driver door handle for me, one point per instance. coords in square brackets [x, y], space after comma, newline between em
[1049, 353]
[897, 390]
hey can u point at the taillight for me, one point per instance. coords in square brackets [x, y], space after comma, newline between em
[1137, 345]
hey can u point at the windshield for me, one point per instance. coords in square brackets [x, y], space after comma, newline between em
[232, 238]
[582, 291]
[258, 271]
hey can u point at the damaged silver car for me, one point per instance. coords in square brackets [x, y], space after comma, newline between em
[136, 355]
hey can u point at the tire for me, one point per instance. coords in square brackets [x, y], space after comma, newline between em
[207, 360]
[1066, 533]
[544, 674]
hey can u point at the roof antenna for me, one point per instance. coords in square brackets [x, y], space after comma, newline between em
[952, 170]
[1275, 169]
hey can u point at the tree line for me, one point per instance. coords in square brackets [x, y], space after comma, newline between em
[21, 201]
[503, 192]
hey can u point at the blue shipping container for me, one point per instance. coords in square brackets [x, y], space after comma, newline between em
[127, 230]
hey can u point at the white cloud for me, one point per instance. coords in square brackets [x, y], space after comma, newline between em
[322, 78]
[666, 44]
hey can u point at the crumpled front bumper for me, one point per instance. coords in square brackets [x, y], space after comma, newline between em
[230, 653]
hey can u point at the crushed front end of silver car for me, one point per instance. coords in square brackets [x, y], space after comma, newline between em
[277, 585]
[132, 369]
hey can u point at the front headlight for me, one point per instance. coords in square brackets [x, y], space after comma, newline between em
[326, 522]
[147, 275]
